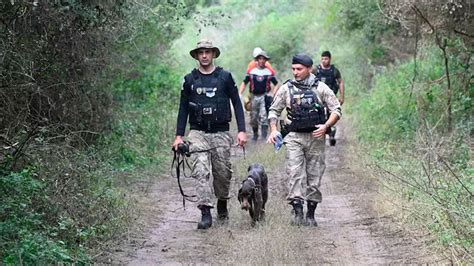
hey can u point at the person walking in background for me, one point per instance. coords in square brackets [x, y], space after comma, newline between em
[304, 98]
[260, 78]
[253, 63]
[205, 98]
[329, 74]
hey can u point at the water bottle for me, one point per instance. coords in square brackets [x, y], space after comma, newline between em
[278, 142]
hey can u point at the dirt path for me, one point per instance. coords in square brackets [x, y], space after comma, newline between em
[349, 230]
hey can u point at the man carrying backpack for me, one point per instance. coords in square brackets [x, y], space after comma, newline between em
[260, 78]
[252, 64]
[331, 76]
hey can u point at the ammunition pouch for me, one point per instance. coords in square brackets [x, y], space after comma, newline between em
[307, 122]
[204, 114]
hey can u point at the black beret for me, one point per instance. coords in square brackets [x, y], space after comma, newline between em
[326, 54]
[303, 59]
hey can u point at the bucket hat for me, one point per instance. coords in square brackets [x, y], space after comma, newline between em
[256, 51]
[262, 53]
[204, 44]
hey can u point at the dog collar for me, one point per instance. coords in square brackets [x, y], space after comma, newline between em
[251, 179]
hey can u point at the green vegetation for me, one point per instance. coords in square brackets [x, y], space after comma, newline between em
[86, 94]
[89, 95]
[414, 114]
[405, 127]
[145, 118]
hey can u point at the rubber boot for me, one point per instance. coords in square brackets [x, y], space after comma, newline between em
[310, 221]
[255, 133]
[264, 131]
[206, 218]
[332, 137]
[222, 212]
[298, 210]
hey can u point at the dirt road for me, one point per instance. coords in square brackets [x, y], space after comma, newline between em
[349, 231]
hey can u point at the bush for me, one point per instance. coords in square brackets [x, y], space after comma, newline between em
[61, 211]
[60, 195]
[145, 118]
[27, 238]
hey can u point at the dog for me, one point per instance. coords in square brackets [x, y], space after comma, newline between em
[253, 193]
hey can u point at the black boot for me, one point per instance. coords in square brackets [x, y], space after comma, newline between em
[222, 213]
[298, 209]
[206, 218]
[264, 132]
[310, 214]
[255, 133]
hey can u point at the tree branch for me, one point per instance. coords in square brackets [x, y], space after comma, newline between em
[463, 33]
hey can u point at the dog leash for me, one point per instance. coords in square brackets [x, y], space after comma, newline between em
[243, 149]
[180, 159]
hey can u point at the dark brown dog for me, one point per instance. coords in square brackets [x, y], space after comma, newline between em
[253, 193]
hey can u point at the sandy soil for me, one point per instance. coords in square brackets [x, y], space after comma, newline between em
[350, 231]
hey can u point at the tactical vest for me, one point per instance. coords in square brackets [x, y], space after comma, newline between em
[209, 103]
[328, 76]
[306, 110]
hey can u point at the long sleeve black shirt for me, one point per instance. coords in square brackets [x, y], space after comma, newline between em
[231, 91]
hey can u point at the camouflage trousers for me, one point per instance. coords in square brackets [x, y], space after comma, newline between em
[305, 165]
[211, 165]
[258, 116]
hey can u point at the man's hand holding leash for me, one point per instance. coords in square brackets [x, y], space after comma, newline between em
[241, 139]
[178, 140]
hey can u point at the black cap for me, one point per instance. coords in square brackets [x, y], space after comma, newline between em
[326, 54]
[303, 59]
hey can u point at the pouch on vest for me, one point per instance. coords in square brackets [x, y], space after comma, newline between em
[306, 110]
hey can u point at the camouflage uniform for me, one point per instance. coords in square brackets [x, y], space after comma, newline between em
[305, 155]
[210, 155]
[258, 114]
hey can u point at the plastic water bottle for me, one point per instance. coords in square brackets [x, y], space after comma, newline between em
[279, 142]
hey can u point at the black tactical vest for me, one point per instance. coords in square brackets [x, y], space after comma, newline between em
[209, 104]
[328, 77]
[306, 110]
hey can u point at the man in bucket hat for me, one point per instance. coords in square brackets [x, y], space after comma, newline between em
[253, 63]
[206, 95]
[260, 78]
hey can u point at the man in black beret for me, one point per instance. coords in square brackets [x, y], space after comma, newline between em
[304, 98]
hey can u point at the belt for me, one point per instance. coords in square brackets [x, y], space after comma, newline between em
[212, 130]
[303, 130]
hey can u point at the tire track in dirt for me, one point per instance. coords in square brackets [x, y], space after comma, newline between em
[349, 230]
